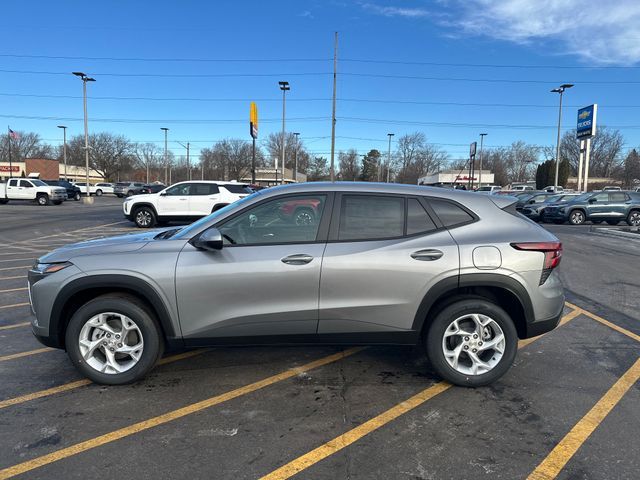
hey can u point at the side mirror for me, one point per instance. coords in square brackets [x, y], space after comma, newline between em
[210, 240]
[531, 202]
[592, 200]
[163, 194]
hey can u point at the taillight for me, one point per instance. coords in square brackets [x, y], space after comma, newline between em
[552, 255]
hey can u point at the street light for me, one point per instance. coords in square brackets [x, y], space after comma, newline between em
[389, 157]
[166, 159]
[284, 86]
[85, 79]
[559, 90]
[64, 149]
[482, 135]
[295, 158]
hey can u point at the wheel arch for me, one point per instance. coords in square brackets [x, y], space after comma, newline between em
[137, 206]
[80, 291]
[505, 291]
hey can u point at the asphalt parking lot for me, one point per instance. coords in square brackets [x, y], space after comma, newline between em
[568, 409]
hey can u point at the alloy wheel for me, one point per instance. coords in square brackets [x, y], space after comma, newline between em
[473, 344]
[111, 343]
[577, 217]
[634, 219]
[143, 218]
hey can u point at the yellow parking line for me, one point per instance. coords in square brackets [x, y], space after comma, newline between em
[569, 316]
[21, 289]
[169, 416]
[25, 354]
[609, 324]
[81, 383]
[14, 305]
[15, 325]
[569, 445]
[332, 446]
[13, 278]
[14, 268]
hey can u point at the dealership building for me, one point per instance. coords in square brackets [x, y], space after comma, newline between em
[456, 177]
[47, 169]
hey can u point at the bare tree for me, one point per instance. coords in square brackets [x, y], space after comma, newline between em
[349, 165]
[109, 154]
[27, 145]
[605, 158]
[150, 158]
[229, 159]
[273, 145]
[318, 169]
[415, 157]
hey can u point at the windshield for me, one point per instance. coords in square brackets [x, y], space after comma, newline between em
[38, 183]
[186, 231]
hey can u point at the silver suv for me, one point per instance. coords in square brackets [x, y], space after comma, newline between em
[340, 263]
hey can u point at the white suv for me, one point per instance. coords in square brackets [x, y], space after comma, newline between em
[182, 201]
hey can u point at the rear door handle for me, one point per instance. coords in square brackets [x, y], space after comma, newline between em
[427, 255]
[298, 259]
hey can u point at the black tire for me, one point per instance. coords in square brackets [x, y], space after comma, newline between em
[634, 218]
[129, 193]
[144, 217]
[77, 196]
[57, 202]
[119, 195]
[98, 193]
[43, 199]
[453, 311]
[577, 217]
[3, 201]
[138, 313]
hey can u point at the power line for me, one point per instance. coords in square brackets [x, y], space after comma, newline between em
[318, 99]
[173, 75]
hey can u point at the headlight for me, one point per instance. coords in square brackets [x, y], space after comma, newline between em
[47, 268]
[561, 210]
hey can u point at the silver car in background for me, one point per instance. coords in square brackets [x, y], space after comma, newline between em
[338, 263]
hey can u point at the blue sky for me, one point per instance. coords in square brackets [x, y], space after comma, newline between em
[438, 45]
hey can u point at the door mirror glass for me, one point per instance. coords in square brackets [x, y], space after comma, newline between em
[210, 239]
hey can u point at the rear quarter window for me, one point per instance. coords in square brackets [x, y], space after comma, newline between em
[238, 189]
[449, 213]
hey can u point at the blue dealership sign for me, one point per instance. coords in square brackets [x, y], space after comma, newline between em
[587, 121]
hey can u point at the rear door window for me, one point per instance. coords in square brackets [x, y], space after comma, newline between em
[617, 197]
[368, 217]
[449, 213]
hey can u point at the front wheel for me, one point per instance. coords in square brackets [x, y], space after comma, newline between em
[144, 217]
[113, 340]
[472, 342]
[43, 199]
[129, 193]
[98, 193]
[577, 217]
[634, 218]
[76, 197]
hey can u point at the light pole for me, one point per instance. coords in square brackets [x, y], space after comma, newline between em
[85, 79]
[64, 149]
[295, 158]
[389, 157]
[559, 90]
[482, 135]
[166, 158]
[284, 86]
[188, 165]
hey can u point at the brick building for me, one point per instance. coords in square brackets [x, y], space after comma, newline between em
[48, 169]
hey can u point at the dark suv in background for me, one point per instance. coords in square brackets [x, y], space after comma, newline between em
[126, 189]
[73, 192]
[611, 207]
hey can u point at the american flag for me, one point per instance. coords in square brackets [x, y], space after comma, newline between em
[13, 134]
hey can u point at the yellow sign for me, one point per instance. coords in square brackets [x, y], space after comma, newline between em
[253, 120]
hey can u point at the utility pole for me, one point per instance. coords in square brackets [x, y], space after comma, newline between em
[166, 158]
[85, 79]
[559, 90]
[333, 114]
[389, 157]
[295, 158]
[284, 86]
[482, 135]
[64, 149]
[9, 144]
[188, 164]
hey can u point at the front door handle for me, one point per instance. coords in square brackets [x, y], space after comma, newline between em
[427, 255]
[298, 259]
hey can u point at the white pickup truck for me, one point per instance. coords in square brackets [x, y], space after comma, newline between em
[31, 189]
[182, 201]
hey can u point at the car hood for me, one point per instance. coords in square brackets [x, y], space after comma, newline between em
[102, 246]
[145, 196]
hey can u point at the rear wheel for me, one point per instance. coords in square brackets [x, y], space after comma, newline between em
[144, 217]
[43, 199]
[98, 193]
[472, 342]
[129, 193]
[113, 340]
[634, 218]
[76, 197]
[3, 201]
[577, 217]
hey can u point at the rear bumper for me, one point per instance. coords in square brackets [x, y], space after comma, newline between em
[543, 326]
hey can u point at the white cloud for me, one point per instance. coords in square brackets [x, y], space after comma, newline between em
[594, 30]
[388, 11]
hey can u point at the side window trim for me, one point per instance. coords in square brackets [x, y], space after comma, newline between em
[323, 228]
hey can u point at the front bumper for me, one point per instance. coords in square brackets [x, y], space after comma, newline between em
[59, 196]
